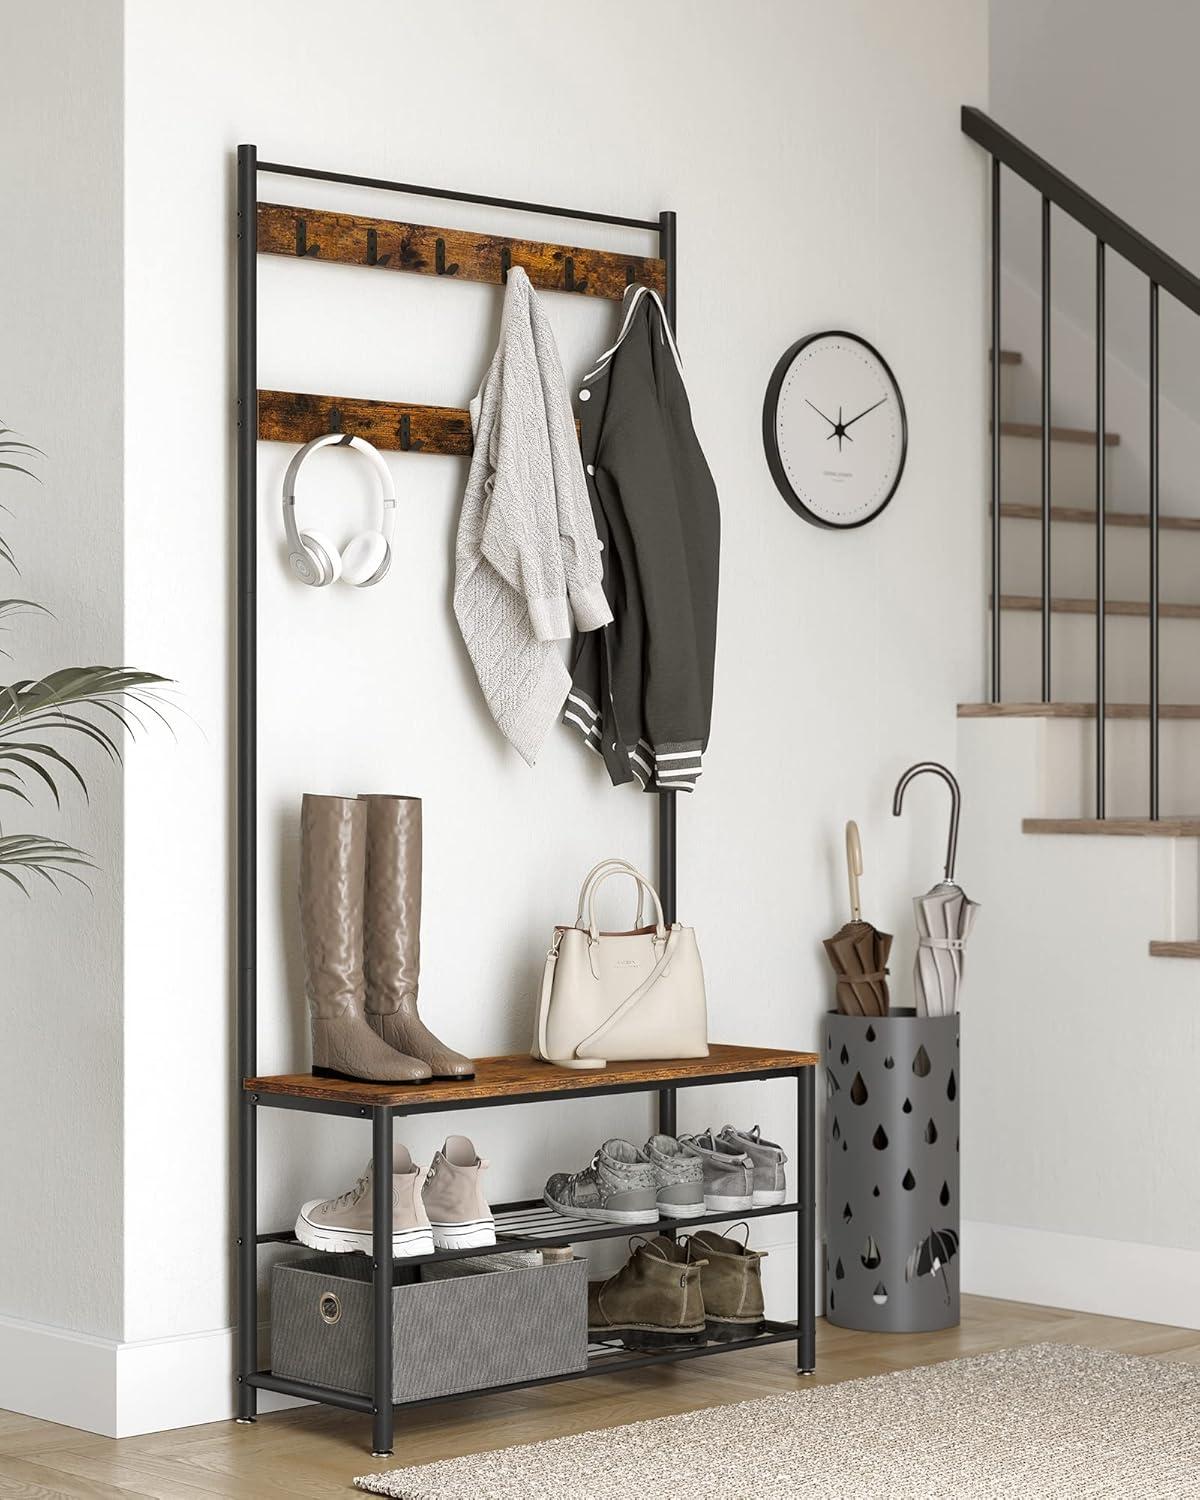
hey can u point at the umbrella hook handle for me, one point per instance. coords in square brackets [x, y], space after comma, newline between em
[854, 868]
[955, 804]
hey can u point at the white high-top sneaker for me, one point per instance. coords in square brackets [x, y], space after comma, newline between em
[344, 1223]
[454, 1199]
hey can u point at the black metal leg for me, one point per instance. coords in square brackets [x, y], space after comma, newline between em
[247, 1257]
[667, 1120]
[381, 1257]
[806, 1220]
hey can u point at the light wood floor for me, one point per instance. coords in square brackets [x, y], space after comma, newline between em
[316, 1452]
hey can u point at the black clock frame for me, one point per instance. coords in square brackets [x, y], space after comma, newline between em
[771, 445]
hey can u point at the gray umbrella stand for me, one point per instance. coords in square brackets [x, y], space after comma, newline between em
[891, 1171]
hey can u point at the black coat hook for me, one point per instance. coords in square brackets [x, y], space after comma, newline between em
[630, 276]
[505, 264]
[302, 245]
[569, 282]
[335, 419]
[406, 443]
[439, 259]
[373, 256]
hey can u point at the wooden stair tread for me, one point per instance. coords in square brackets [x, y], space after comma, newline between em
[1082, 515]
[1163, 828]
[1057, 434]
[1032, 603]
[503, 1077]
[1174, 948]
[1075, 710]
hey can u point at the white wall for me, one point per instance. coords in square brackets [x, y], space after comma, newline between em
[802, 203]
[61, 269]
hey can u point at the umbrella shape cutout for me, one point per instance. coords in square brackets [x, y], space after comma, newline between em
[858, 951]
[944, 915]
[932, 1255]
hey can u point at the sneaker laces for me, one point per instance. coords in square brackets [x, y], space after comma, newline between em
[352, 1195]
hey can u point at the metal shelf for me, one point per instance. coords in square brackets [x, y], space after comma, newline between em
[531, 1224]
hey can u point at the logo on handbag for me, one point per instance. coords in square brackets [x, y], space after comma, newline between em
[620, 996]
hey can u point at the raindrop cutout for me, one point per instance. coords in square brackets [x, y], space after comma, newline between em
[858, 1090]
[836, 1132]
[870, 1033]
[908, 1181]
[907, 1106]
[889, 1062]
[930, 1133]
[875, 1191]
[944, 1195]
[847, 1214]
[879, 1140]
[845, 1056]
[879, 1295]
[921, 1063]
[832, 1086]
[839, 1271]
[871, 1255]
[951, 1087]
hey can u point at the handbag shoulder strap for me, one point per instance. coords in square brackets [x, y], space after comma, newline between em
[640, 993]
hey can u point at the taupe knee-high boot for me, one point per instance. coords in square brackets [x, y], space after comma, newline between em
[333, 851]
[393, 934]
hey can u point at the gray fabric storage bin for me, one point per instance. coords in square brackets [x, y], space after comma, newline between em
[461, 1334]
[891, 1171]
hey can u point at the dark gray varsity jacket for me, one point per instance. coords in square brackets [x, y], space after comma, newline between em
[641, 691]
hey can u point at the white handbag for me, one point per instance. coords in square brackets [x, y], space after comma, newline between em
[617, 996]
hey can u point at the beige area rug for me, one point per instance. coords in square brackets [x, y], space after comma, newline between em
[1047, 1420]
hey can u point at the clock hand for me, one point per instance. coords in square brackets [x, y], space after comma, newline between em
[862, 414]
[839, 430]
[819, 412]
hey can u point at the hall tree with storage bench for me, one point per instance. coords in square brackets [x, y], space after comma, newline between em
[313, 234]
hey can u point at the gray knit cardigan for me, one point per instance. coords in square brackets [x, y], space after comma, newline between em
[527, 555]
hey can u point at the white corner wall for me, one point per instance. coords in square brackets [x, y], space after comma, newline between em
[61, 335]
[803, 203]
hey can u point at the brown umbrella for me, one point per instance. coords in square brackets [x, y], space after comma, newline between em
[859, 951]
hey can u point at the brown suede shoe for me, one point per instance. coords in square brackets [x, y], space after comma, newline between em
[652, 1302]
[731, 1283]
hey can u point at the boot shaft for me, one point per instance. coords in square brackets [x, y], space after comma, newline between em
[392, 909]
[732, 1278]
[333, 852]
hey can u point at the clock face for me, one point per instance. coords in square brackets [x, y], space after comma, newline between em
[835, 430]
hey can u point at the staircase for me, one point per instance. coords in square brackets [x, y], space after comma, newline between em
[1094, 596]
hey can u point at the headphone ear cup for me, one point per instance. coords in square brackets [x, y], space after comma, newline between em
[363, 558]
[324, 556]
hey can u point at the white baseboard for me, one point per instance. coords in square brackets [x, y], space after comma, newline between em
[1118, 1278]
[116, 1389]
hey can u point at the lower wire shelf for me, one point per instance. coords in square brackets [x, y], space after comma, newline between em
[603, 1359]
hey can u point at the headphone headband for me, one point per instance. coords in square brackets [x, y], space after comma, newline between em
[298, 547]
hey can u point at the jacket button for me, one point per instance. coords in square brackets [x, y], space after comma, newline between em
[591, 468]
[585, 395]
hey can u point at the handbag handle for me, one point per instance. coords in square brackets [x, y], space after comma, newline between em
[660, 926]
[609, 864]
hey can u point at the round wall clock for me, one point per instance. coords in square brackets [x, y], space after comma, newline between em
[835, 430]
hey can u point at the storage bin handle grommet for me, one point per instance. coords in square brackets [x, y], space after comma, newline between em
[329, 1305]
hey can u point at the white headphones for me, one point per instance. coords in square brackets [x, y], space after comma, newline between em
[314, 558]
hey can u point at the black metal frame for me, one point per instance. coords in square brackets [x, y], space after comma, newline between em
[1163, 272]
[250, 1379]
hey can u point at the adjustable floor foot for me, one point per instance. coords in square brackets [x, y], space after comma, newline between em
[245, 1421]
[387, 1453]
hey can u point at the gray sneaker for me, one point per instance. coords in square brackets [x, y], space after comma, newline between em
[728, 1174]
[620, 1187]
[679, 1178]
[770, 1182]
[343, 1224]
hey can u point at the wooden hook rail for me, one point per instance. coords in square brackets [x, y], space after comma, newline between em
[352, 240]
[292, 417]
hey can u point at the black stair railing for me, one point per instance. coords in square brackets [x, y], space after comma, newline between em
[1163, 272]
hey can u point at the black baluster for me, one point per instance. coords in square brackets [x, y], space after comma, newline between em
[1046, 437]
[1100, 536]
[995, 430]
[1154, 550]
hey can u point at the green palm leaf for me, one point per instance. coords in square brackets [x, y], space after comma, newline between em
[26, 854]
